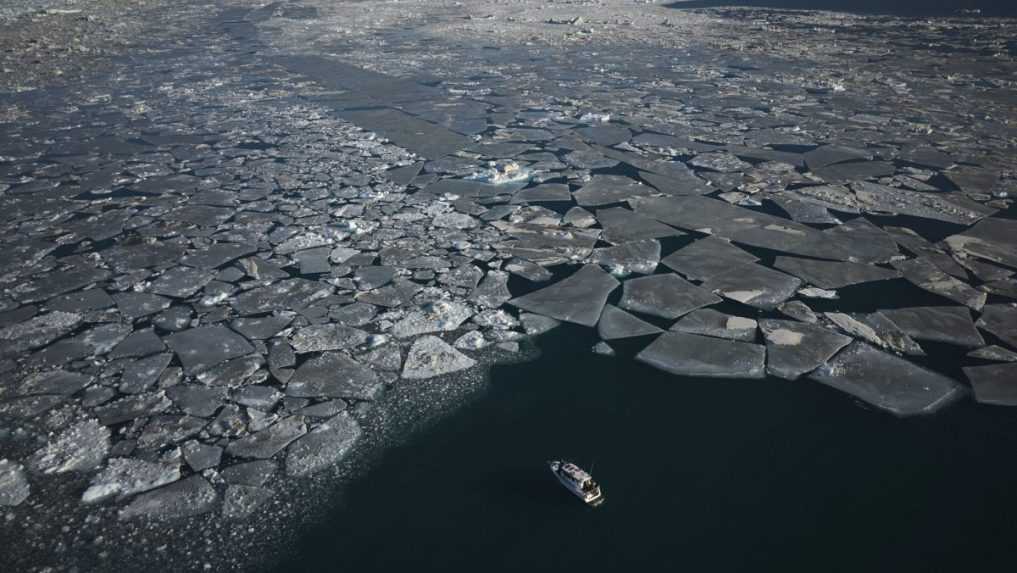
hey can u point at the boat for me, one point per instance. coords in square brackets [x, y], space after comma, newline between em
[576, 480]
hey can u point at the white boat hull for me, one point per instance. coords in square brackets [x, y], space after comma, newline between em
[590, 498]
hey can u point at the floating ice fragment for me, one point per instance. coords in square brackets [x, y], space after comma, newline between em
[430, 356]
[79, 448]
[14, 487]
[123, 477]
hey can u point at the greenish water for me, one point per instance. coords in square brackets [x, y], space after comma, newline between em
[700, 475]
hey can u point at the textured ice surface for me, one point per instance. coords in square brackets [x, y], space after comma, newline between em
[693, 355]
[123, 477]
[796, 348]
[334, 375]
[14, 486]
[202, 348]
[994, 384]
[665, 295]
[80, 447]
[323, 446]
[616, 323]
[191, 496]
[887, 381]
[430, 356]
[578, 298]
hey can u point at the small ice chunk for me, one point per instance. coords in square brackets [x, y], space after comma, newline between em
[438, 316]
[270, 441]
[14, 487]
[334, 375]
[616, 323]
[243, 500]
[202, 348]
[430, 356]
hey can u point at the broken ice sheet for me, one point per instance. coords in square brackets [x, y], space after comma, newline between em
[722, 162]
[607, 189]
[430, 356]
[796, 348]
[754, 285]
[493, 291]
[438, 316]
[1000, 320]
[204, 347]
[291, 294]
[993, 353]
[131, 407]
[139, 304]
[50, 382]
[803, 211]
[326, 445]
[948, 207]
[946, 324]
[545, 193]
[666, 295]
[864, 242]
[549, 245]
[321, 337]
[990, 239]
[710, 322]
[927, 276]
[217, 255]
[693, 355]
[181, 282]
[854, 171]
[140, 375]
[633, 257]
[191, 496]
[80, 447]
[14, 486]
[887, 382]
[580, 298]
[832, 154]
[994, 384]
[261, 328]
[38, 331]
[833, 274]
[270, 441]
[622, 225]
[740, 225]
[334, 375]
[706, 258]
[123, 477]
[616, 323]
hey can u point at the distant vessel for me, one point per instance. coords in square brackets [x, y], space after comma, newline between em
[576, 480]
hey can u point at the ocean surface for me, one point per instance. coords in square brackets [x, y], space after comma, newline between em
[699, 475]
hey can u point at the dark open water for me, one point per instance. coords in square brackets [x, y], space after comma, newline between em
[700, 475]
